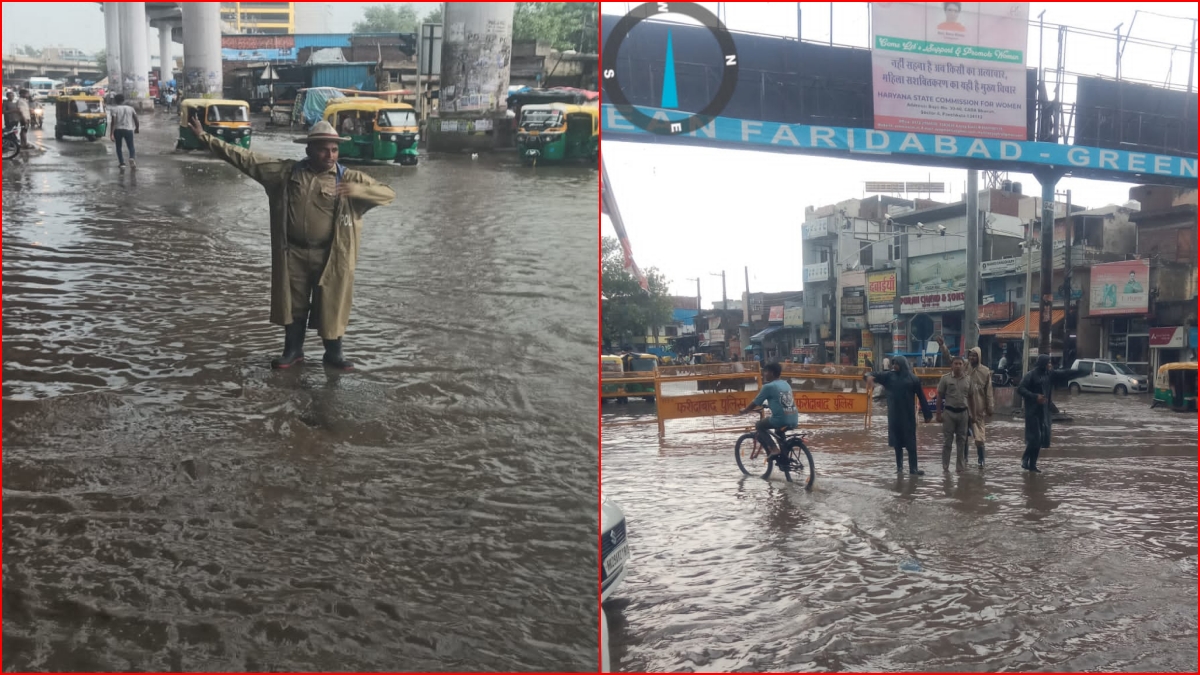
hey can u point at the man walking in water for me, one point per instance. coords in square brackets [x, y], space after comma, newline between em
[316, 220]
[901, 386]
[1035, 390]
[124, 125]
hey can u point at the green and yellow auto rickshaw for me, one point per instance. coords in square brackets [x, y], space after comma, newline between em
[611, 368]
[377, 129]
[558, 132]
[645, 365]
[226, 119]
[1175, 386]
[82, 116]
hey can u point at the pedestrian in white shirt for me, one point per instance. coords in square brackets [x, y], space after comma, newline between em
[124, 126]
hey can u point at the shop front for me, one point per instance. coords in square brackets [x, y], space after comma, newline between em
[933, 314]
[1169, 345]
[1120, 298]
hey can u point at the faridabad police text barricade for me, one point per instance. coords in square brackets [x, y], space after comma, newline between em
[726, 388]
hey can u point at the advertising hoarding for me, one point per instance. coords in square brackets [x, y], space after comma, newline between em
[950, 67]
[1120, 288]
[937, 272]
[881, 297]
[793, 316]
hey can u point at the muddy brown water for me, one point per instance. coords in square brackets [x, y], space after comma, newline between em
[171, 503]
[1088, 566]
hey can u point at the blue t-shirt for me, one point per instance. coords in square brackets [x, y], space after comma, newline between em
[778, 397]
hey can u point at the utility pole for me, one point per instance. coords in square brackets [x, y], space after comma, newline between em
[1048, 181]
[971, 301]
[1028, 296]
[724, 298]
[837, 299]
[1067, 281]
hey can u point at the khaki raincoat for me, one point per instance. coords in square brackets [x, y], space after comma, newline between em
[337, 281]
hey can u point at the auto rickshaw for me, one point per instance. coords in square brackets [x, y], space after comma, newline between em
[558, 132]
[82, 116]
[226, 119]
[1175, 386]
[646, 365]
[612, 366]
[377, 129]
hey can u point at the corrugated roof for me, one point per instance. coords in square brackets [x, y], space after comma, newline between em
[1016, 329]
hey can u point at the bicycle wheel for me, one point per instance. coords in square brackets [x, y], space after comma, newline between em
[800, 463]
[751, 456]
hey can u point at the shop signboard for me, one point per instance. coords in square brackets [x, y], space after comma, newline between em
[947, 301]
[776, 315]
[1166, 338]
[1001, 268]
[816, 272]
[857, 322]
[950, 68]
[854, 305]
[793, 316]
[813, 229]
[881, 298]
[1120, 288]
[996, 312]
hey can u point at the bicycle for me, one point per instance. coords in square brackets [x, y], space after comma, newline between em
[794, 458]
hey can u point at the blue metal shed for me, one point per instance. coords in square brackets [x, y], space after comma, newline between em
[343, 76]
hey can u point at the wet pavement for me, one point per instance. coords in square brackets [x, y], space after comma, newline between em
[171, 503]
[1090, 565]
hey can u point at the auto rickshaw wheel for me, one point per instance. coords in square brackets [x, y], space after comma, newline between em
[92, 139]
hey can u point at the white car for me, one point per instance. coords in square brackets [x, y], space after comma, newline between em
[614, 548]
[1106, 376]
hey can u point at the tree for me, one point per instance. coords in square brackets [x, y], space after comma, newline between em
[102, 63]
[388, 19]
[435, 16]
[562, 25]
[28, 50]
[628, 311]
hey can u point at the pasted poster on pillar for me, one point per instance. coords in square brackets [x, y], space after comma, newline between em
[954, 68]
[1120, 288]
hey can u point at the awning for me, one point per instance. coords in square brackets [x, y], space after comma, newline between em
[1016, 329]
[757, 337]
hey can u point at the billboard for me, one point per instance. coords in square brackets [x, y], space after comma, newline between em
[881, 297]
[793, 316]
[950, 67]
[937, 272]
[1120, 288]
[776, 314]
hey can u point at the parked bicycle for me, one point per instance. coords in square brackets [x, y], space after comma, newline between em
[12, 141]
[753, 454]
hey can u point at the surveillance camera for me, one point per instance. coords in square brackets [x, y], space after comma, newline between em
[920, 225]
[941, 228]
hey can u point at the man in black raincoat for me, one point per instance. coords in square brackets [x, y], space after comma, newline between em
[901, 386]
[1036, 389]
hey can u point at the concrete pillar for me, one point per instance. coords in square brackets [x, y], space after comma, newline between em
[135, 55]
[476, 57]
[165, 71]
[202, 76]
[112, 45]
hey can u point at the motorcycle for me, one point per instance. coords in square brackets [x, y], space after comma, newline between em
[12, 141]
[1009, 377]
[35, 116]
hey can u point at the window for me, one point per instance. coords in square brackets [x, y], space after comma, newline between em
[397, 118]
[1105, 369]
[824, 256]
[894, 252]
[866, 256]
[1123, 369]
[1085, 368]
[671, 331]
[228, 113]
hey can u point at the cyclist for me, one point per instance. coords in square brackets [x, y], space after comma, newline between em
[777, 394]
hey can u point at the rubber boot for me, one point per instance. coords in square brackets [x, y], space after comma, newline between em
[293, 344]
[979, 449]
[333, 355]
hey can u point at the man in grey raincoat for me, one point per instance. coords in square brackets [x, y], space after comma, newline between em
[901, 386]
[1035, 390]
[316, 220]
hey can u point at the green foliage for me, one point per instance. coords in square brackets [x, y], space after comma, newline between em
[388, 19]
[562, 25]
[29, 50]
[628, 311]
[435, 16]
[102, 62]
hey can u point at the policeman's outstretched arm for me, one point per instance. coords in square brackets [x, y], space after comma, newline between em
[365, 192]
[263, 169]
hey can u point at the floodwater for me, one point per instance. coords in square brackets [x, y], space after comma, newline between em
[1090, 565]
[172, 503]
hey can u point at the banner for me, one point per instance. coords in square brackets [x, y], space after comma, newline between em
[1120, 288]
[881, 297]
[776, 314]
[950, 67]
[938, 272]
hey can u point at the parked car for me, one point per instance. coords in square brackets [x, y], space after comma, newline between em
[1106, 376]
[614, 549]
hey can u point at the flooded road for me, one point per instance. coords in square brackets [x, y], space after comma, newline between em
[1090, 565]
[172, 503]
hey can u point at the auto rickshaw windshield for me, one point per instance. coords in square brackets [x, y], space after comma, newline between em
[89, 106]
[540, 118]
[397, 118]
[227, 113]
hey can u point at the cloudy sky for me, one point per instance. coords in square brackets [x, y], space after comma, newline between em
[693, 212]
[81, 24]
